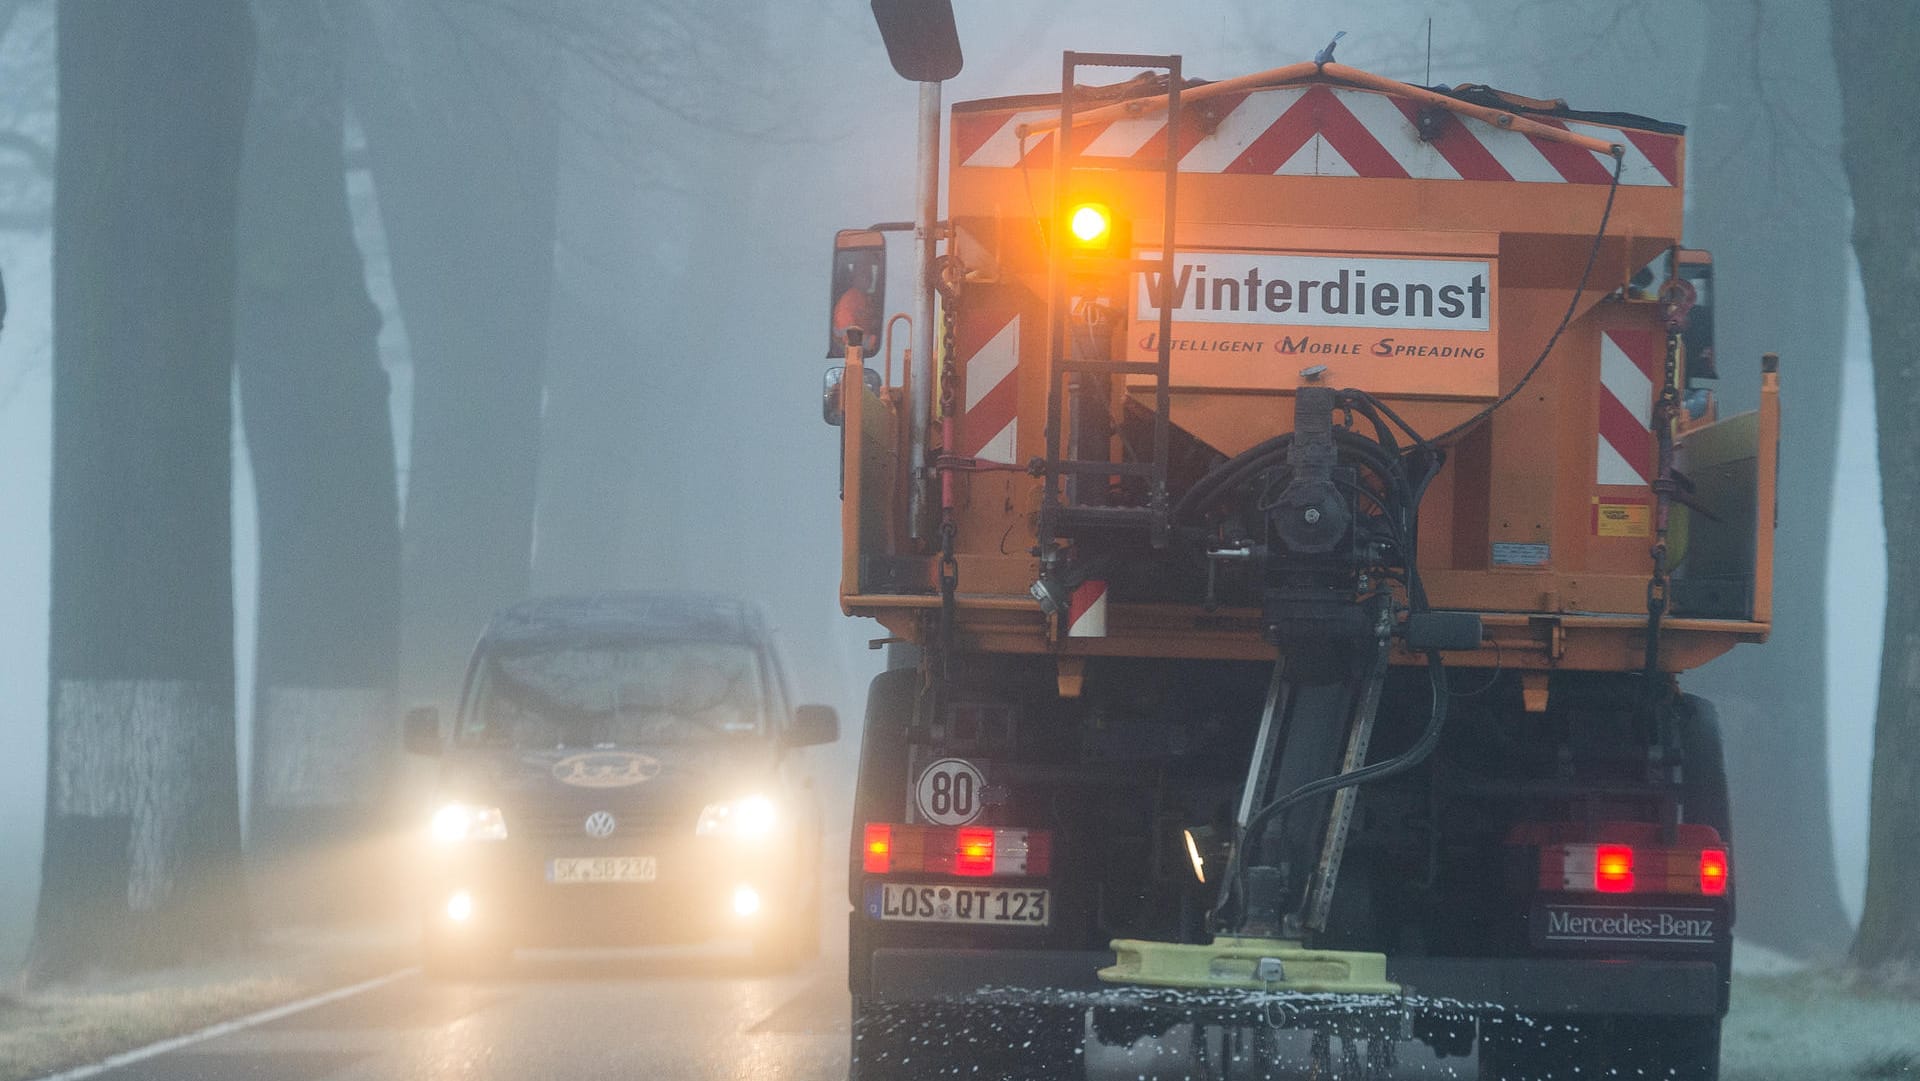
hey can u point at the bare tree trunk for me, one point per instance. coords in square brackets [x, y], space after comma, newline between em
[1770, 204]
[142, 848]
[1875, 43]
[314, 399]
[457, 102]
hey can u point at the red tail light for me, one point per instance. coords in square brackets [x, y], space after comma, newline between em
[974, 851]
[1613, 868]
[876, 852]
[1627, 857]
[1713, 872]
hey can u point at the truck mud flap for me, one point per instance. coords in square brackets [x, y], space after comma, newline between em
[1542, 986]
[922, 975]
[1533, 986]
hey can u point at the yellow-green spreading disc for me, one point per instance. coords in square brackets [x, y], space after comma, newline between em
[1236, 963]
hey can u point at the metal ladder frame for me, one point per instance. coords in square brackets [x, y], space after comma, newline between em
[1057, 518]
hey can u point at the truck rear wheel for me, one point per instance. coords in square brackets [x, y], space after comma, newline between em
[1679, 1048]
[880, 793]
[1704, 793]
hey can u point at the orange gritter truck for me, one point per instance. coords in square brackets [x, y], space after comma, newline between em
[1295, 498]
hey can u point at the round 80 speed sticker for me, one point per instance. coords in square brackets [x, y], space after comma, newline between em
[948, 792]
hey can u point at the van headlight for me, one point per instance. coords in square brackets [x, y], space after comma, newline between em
[456, 822]
[749, 818]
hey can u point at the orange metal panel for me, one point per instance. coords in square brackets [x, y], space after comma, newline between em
[1515, 640]
[852, 391]
[1532, 521]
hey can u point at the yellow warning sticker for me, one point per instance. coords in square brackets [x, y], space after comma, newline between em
[1622, 520]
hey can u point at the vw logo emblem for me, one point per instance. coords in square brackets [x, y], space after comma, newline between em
[600, 825]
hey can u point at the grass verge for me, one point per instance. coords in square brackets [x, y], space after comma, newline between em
[55, 1028]
[1818, 1026]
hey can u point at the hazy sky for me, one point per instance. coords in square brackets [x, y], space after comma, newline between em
[809, 190]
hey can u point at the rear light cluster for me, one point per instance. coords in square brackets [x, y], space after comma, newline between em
[1633, 869]
[1627, 857]
[973, 851]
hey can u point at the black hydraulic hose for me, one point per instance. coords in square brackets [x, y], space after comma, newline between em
[1371, 405]
[1573, 306]
[1233, 471]
[1243, 466]
[1216, 478]
[1406, 760]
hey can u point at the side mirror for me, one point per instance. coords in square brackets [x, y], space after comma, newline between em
[420, 731]
[832, 405]
[859, 289]
[812, 726]
[922, 43]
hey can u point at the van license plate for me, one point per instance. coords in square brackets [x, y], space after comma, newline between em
[587, 869]
[992, 905]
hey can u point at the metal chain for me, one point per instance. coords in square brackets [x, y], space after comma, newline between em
[949, 564]
[949, 391]
[1665, 411]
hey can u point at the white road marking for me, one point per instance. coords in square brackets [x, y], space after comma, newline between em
[224, 1028]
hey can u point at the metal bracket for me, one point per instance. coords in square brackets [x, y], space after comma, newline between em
[1318, 902]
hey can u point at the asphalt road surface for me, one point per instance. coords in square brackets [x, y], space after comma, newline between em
[703, 1014]
[693, 1014]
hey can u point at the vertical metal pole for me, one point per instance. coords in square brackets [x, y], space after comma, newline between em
[853, 413]
[1057, 312]
[926, 214]
[1163, 357]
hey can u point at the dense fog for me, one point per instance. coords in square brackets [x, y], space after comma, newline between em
[698, 190]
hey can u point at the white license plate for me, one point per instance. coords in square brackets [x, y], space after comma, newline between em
[570, 871]
[993, 905]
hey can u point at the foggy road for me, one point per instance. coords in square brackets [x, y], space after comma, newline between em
[695, 1014]
[698, 1014]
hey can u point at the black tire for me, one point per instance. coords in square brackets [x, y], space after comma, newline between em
[880, 793]
[1704, 773]
[1579, 1049]
[1673, 1048]
[1703, 794]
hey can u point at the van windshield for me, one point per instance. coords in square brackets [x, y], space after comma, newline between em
[622, 694]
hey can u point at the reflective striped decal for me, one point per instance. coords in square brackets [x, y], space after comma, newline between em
[1087, 610]
[987, 347]
[1325, 130]
[1625, 439]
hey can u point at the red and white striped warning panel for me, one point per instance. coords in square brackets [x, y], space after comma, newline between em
[1627, 362]
[1087, 610]
[986, 341]
[1322, 130]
